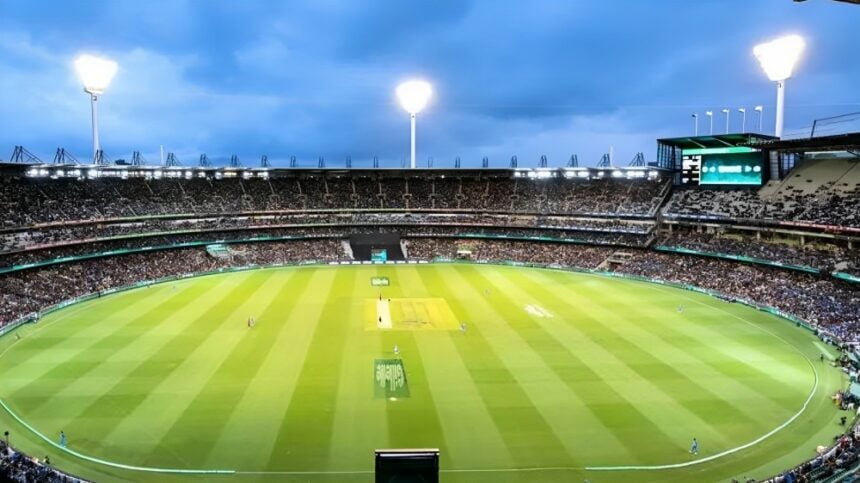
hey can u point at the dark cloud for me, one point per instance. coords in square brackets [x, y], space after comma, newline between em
[316, 77]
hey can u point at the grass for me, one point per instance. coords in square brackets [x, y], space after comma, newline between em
[556, 372]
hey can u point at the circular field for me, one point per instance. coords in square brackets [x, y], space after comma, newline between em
[551, 376]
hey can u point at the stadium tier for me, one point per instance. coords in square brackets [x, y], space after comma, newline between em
[787, 248]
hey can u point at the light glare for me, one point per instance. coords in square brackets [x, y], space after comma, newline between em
[95, 72]
[778, 57]
[414, 95]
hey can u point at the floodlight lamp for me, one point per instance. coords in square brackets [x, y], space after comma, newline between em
[759, 108]
[778, 57]
[709, 113]
[95, 72]
[741, 109]
[414, 95]
[725, 111]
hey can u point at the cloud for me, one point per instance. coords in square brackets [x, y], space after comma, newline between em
[316, 78]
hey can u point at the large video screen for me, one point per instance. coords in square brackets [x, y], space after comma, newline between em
[723, 166]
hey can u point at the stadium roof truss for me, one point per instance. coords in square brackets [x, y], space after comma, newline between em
[849, 142]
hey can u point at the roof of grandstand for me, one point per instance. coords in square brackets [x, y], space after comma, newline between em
[715, 140]
[838, 142]
[83, 170]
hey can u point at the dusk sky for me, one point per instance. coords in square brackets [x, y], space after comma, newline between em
[316, 78]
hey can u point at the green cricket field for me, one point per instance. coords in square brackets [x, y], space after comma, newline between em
[516, 374]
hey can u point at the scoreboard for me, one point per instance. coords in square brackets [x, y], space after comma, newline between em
[740, 166]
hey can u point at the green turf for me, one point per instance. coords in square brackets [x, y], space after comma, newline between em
[556, 372]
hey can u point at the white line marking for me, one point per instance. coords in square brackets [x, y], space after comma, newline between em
[738, 448]
[537, 311]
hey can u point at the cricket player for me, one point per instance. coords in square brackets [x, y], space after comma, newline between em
[694, 447]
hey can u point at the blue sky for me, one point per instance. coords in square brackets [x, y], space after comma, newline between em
[316, 78]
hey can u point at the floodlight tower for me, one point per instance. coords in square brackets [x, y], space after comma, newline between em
[95, 74]
[727, 112]
[760, 111]
[778, 58]
[710, 115]
[743, 112]
[696, 123]
[413, 96]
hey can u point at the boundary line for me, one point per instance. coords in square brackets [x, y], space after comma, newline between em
[105, 462]
[650, 284]
[737, 448]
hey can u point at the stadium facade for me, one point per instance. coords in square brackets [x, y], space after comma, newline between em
[771, 223]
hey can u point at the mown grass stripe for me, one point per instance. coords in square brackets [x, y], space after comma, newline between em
[227, 383]
[412, 422]
[749, 362]
[108, 410]
[79, 323]
[265, 400]
[250, 434]
[472, 438]
[649, 396]
[529, 437]
[48, 386]
[712, 323]
[304, 439]
[755, 404]
[707, 405]
[360, 422]
[615, 410]
[99, 461]
[777, 395]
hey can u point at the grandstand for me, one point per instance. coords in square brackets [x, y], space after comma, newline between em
[788, 245]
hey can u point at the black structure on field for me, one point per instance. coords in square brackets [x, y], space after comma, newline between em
[407, 465]
[364, 243]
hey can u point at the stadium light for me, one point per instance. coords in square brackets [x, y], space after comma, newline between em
[95, 74]
[778, 58]
[413, 96]
[743, 112]
[760, 111]
[696, 123]
[727, 112]
[710, 115]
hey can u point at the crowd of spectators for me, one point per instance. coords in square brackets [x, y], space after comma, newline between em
[28, 291]
[831, 306]
[828, 463]
[29, 201]
[20, 468]
[449, 228]
[499, 250]
[826, 303]
[824, 206]
[84, 213]
[65, 234]
[824, 257]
